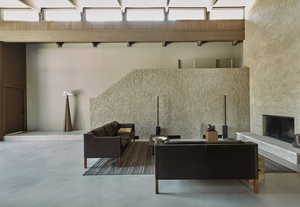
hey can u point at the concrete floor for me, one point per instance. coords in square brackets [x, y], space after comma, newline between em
[49, 173]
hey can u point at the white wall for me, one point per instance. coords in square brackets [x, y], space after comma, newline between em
[91, 71]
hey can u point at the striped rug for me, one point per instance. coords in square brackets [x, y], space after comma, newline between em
[138, 160]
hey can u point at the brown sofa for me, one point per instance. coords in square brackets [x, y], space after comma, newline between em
[108, 141]
[205, 160]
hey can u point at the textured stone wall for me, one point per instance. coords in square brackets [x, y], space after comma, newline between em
[189, 100]
[272, 52]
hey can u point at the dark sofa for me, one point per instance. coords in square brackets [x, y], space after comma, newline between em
[203, 160]
[107, 141]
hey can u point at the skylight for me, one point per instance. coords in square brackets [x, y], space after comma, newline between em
[12, 4]
[53, 3]
[189, 3]
[25, 15]
[144, 3]
[230, 3]
[186, 14]
[227, 13]
[145, 15]
[98, 3]
[103, 15]
[59, 15]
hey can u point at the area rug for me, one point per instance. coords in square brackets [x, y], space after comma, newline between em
[138, 160]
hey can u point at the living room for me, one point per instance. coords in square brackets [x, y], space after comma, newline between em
[182, 102]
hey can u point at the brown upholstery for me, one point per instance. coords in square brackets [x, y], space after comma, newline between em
[104, 142]
[204, 160]
[100, 131]
[111, 128]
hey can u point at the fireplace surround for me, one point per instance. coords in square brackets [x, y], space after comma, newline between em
[279, 127]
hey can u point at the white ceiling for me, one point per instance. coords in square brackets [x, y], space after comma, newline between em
[116, 3]
[69, 10]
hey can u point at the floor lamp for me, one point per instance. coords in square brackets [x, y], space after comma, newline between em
[68, 123]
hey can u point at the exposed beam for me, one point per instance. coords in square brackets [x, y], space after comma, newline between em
[236, 42]
[165, 43]
[179, 31]
[168, 3]
[60, 44]
[28, 3]
[207, 14]
[200, 43]
[214, 2]
[74, 2]
[129, 44]
[95, 44]
[120, 2]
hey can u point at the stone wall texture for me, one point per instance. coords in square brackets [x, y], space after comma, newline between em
[272, 53]
[189, 100]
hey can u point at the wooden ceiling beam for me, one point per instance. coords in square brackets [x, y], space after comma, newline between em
[60, 44]
[165, 43]
[200, 43]
[28, 3]
[236, 42]
[95, 44]
[179, 31]
[129, 44]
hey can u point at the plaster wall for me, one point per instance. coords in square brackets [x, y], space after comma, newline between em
[91, 71]
[271, 51]
[190, 99]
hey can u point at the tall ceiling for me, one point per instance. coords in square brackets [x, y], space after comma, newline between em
[118, 3]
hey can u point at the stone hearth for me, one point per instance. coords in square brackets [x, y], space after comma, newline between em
[276, 150]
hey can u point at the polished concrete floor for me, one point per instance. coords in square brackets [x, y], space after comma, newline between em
[49, 173]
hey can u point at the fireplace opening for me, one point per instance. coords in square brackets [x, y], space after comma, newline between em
[279, 127]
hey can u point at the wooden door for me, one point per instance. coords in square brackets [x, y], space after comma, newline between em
[14, 113]
[13, 88]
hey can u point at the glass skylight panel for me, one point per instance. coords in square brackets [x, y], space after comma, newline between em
[12, 4]
[145, 15]
[144, 3]
[186, 14]
[226, 13]
[25, 15]
[230, 3]
[103, 15]
[53, 3]
[62, 15]
[98, 3]
[189, 3]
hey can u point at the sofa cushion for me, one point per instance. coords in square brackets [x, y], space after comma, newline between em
[100, 131]
[124, 131]
[125, 139]
[111, 128]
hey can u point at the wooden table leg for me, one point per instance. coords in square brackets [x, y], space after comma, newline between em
[156, 186]
[261, 166]
[85, 162]
[119, 162]
[255, 186]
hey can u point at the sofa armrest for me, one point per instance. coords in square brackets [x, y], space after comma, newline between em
[95, 146]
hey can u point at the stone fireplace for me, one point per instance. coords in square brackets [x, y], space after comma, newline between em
[279, 127]
[277, 140]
